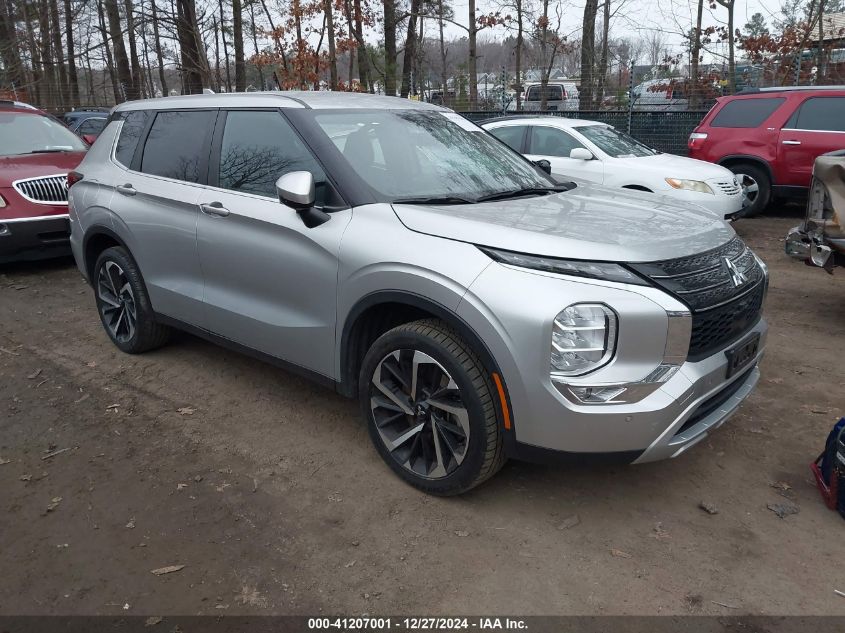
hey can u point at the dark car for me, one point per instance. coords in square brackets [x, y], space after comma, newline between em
[90, 127]
[36, 154]
[770, 137]
[74, 117]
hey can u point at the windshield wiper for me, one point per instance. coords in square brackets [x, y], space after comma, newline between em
[52, 150]
[435, 200]
[527, 191]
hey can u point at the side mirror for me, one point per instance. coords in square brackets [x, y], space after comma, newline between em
[89, 138]
[545, 165]
[296, 189]
[581, 153]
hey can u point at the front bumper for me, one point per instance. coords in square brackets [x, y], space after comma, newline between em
[683, 410]
[34, 238]
[719, 203]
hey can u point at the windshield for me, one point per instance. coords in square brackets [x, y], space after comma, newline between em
[408, 154]
[615, 143]
[33, 133]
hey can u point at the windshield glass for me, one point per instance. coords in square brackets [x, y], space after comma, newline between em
[407, 154]
[615, 143]
[28, 133]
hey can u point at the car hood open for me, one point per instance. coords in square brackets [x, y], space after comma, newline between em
[588, 222]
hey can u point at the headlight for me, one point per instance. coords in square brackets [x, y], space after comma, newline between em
[577, 268]
[690, 185]
[583, 339]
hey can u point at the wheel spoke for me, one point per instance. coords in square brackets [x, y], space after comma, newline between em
[393, 397]
[459, 412]
[392, 445]
[457, 455]
[439, 469]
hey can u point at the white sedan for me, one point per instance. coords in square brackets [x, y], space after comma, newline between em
[596, 152]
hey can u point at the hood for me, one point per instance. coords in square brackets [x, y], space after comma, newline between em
[670, 166]
[589, 222]
[33, 165]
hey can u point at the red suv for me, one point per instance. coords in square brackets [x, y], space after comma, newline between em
[36, 154]
[770, 137]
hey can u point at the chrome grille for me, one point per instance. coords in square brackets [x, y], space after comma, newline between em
[43, 190]
[721, 310]
[729, 187]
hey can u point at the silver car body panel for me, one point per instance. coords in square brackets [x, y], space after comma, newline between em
[261, 278]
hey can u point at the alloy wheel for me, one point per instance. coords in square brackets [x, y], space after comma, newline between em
[750, 189]
[117, 301]
[419, 413]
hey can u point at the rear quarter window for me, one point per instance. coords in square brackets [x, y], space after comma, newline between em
[133, 125]
[746, 113]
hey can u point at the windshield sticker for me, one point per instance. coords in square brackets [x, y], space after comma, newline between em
[465, 124]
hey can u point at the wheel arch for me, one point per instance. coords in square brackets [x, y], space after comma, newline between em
[97, 239]
[378, 312]
[738, 159]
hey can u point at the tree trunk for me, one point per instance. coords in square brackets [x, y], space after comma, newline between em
[729, 5]
[147, 82]
[58, 55]
[410, 49]
[695, 96]
[121, 61]
[390, 47]
[193, 68]
[327, 8]
[225, 51]
[544, 49]
[133, 51]
[9, 49]
[588, 54]
[104, 35]
[255, 43]
[350, 25]
[238, 28]
[820, 65]
[363, 56]
[602, 70]
[520, 35]
[38, 95]
[157, 46]
[443, 77]
[472, 61]
[217, 76]
[72, 75]
[418, 88]
[47, 56]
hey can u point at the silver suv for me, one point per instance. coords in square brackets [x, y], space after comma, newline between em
[398, 253]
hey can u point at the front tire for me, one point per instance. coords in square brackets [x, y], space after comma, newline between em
[124, 305]
[428, 402]
[756, 189]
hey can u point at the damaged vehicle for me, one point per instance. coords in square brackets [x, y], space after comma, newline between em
[820, 239]
[397, 253]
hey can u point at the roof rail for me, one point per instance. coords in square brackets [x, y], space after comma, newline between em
[746, 91]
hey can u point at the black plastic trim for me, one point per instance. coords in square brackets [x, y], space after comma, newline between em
[789, 191]
[248, 351]
[539, 455]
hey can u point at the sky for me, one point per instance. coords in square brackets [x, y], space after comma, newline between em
[638, 17]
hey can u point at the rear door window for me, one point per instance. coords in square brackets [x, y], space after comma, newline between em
[821, 113]
[177, 145]
[746, 113]
[510, 135]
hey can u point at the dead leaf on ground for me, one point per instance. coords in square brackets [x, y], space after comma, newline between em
[780, 485]
[54, 503]
[461, 533]
[35, 374]
[569, 522]
[113, 406]
[91, 363]
[784, 509]
[152, 620]
[709, 508]
[3, 462]
[186, 410]
[131, 524]
[618, 553]
[26, 477]
[659, 533]
[161, 571]
[251, 596]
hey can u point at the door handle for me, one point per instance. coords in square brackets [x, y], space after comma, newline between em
[127, 189]
[214, 208]
[792, 142]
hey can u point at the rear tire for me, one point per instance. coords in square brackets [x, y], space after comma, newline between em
[756, 188]
[124, 305]
[428, 402]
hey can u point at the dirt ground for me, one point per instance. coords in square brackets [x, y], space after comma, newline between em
[267, 489]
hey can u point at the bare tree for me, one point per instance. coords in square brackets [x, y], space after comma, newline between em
[238, 36]
[588, 54]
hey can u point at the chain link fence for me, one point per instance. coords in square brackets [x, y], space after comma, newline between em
[664, 131]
